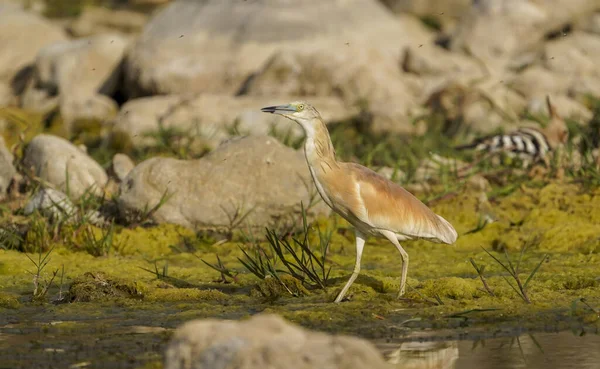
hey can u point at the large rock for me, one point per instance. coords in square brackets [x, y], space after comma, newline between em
[22, 34]
[7, 170]
[216, 45]
[435, 61]
[98, 20]
[591, 24]
[94, 107]
[538, 81]
[566, 66]
[563, 105]
[359, 76]
[476, 108]
[265, 341]
[437, 8]
[212, 118]
[54, 159]
[575, 58]
[497, 30]
[574, 54]
[255, 177]
[74, 73]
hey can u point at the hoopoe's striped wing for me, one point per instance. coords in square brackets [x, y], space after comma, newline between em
[525, 141]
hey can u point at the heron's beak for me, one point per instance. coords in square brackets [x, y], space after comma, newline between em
[279, 109]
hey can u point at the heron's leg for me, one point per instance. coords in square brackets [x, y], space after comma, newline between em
[393, 239]
[360, 244]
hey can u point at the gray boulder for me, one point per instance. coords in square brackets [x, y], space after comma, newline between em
[54, 159]
[252, 181]
[22, 34]
[440, 9]
[212, 118]
[358, 75]
[591, 24]
[216, 45]
[539, 81]
[78, 76]
[573, 55]
[498, 30]
[98, 20]
[575, 58]
[265, 341]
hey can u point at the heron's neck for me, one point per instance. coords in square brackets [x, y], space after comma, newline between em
[318, 147]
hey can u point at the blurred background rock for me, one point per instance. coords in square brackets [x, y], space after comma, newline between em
[392, 78]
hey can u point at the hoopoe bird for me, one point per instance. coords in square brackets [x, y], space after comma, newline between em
[372, 204]
[531, 144]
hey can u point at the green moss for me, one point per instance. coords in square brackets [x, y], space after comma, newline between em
[557, 217]
[185, 294]
[97, 286]
[450, 287]
[572, 281]
[272, 288]
[8, 301]
[152, 242]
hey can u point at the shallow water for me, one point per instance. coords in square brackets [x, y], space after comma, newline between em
[532, 351]
[126, 342]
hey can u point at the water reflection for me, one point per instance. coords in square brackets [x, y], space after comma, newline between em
[543, 351]
[424, 355]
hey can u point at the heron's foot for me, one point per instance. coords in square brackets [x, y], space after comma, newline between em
[401, 292]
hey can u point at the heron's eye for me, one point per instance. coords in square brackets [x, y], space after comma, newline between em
[300, 107]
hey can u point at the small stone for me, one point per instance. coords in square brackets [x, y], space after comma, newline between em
[55, 160]
[121, 166]
[52, 204]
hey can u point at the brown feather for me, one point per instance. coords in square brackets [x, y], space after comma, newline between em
[369, 200]
[391, 207]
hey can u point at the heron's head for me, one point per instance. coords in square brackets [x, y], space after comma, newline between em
[299, 111]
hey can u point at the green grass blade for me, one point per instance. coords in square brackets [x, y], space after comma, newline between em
[510, 264]
[498, 261]
[534, 271]
[514, 289]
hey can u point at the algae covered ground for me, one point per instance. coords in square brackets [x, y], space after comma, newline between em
[153, 278]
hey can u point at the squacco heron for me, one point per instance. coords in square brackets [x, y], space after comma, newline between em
[374, 205]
